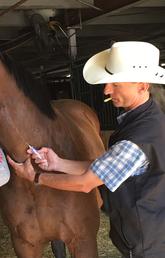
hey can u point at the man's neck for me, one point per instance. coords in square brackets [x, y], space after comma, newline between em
[139, 103]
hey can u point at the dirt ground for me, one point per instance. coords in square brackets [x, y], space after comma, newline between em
[106, 249]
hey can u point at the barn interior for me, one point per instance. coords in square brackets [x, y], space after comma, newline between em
[54, 38]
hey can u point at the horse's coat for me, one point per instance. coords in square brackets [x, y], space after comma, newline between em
[37, 214]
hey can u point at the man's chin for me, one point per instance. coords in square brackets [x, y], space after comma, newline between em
[116, 104]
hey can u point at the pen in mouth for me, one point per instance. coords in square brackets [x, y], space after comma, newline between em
[108, 99]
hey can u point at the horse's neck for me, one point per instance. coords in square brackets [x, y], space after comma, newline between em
[23, 124]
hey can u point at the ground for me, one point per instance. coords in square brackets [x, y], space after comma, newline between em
[106, 249]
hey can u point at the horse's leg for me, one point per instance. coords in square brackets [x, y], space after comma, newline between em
[24, 249]
[83, 248]
[58, 249]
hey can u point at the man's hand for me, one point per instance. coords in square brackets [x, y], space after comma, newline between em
[49, 159]
[24, 170]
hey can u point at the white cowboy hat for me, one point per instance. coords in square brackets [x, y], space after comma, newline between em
[129, 61]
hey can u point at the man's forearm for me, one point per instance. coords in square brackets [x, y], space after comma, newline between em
[72, 167]
[80, 183]
[62, 182]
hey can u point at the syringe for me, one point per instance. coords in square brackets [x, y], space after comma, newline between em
[34, 151]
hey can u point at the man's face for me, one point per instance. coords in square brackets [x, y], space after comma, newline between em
[126, 94]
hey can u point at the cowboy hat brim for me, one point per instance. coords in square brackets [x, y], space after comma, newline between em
[95, 72]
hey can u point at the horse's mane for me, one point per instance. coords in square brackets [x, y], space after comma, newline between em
[32, 88]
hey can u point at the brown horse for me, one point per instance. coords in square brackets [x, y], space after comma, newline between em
[35, 214]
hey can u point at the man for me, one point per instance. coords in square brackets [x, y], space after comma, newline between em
[133, 169]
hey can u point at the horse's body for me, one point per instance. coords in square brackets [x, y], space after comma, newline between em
[37, 214]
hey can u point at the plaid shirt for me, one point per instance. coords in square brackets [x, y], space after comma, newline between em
[122, 160]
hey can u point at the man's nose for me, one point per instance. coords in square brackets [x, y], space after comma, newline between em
[108, 89]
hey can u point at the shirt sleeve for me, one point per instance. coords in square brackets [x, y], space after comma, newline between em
[122, 160]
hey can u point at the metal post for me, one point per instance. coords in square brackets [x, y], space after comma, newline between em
[72, 43]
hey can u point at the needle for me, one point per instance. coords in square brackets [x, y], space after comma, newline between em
[34, 151]
[108, 99]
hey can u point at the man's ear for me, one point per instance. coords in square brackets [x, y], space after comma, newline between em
[143, 86]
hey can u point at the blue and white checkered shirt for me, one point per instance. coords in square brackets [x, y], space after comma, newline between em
[122, 160]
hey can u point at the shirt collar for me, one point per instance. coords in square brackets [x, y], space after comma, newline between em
[123, 113]
[121, 117]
